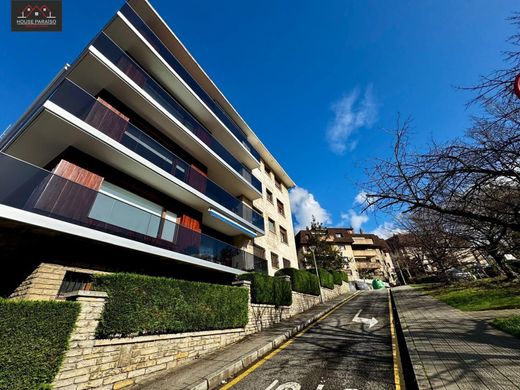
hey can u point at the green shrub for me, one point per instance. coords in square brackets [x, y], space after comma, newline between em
[337, 277]
[344, 276]
[140, 304]
[326, 278]
[301, 280]
[33, 339]
[268, 290]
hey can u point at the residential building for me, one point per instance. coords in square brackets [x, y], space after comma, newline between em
[412, 262]
[132, 159]
[366, 256]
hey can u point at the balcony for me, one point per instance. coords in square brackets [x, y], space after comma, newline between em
[35, 190]
[83, 106]
[139, 76]
[364, 252]
[366, 265]
[140, 25]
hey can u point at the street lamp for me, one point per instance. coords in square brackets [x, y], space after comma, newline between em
[313, 249]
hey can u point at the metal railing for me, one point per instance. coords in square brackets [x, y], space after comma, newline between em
[167, 55]
[84, 106]
[133, 70]
[30, 188]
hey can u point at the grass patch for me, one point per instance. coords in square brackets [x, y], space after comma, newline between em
[485, 294]
[510, 325]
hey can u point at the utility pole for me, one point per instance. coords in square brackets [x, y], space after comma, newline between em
[313, 249]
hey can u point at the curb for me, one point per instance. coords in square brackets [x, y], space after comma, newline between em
[215, 378]
[417, 378]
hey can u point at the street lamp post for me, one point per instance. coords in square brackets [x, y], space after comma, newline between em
[313, 249]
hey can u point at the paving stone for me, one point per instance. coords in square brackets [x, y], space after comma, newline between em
[454, 349]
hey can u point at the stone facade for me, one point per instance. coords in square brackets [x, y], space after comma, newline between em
[45, 281]
[272, 242]
[121, 362]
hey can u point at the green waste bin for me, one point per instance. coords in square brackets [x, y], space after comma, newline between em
[377, 284]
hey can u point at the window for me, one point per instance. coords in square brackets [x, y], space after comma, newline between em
[281, 209]
[339, 235]
[267, 170]
[74, 281]
[283, 235]
[272, 227]
[269, 195]
[119, 207]
[274, 260]
[286, 263]
[277, 183]
[168, 229]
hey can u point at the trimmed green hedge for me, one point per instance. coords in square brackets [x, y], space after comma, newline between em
[337, 277]
[33, 339]
[326, 278]
[301, 280]
[140, 304]
[344, 276]
[268, 290]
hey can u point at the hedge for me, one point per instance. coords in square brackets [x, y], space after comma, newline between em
[301, 280]
[268, 290]
[344, 276]
[33, 339]
[337, 277]
[139, 304]
[326, 278]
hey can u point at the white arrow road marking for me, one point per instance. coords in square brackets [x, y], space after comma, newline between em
[368, 321]
[272, 385]
[320, 387]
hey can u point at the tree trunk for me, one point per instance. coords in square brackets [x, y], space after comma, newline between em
[502, 264]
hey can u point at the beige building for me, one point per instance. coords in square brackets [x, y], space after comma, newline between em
[277, 245]
[367, 256]
[413, 262]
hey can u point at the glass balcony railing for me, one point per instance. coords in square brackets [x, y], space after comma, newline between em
[133, 70]
[163, 51]
[84, 106]
[27, 187]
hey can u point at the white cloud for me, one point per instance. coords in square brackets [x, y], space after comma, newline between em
[353, 219]
[304, 206]
[352, 112]
[386, 230]
[361, 198]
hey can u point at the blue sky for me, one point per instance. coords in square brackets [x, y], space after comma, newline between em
[320, 85]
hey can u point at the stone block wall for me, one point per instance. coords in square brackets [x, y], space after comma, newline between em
[45, 281]
[122, 362]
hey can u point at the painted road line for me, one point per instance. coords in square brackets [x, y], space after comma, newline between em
[395, 358]
[283, 346]
[272, 385]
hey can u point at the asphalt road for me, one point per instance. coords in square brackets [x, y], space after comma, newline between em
[335, 354]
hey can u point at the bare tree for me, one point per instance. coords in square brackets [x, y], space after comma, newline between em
[434, 241]
[477, 179]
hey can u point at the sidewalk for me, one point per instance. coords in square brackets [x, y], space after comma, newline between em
[450, 349]
[210, 371]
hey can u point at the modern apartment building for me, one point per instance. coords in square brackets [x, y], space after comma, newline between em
[366, 255]
[133, 160]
